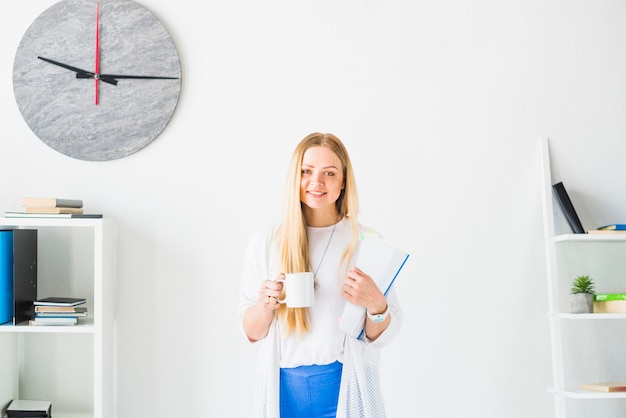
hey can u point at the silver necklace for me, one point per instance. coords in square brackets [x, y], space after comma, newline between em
[325, 250]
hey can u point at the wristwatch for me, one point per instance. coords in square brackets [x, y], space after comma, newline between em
[379, 317]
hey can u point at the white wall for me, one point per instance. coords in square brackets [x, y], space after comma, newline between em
[441, 104]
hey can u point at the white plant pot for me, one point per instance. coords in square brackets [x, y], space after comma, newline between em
[581, 303]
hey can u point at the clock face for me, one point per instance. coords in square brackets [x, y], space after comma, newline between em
[97, 80]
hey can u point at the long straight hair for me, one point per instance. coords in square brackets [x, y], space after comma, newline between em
[291, 236]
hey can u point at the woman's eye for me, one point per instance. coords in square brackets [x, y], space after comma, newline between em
[306, 171]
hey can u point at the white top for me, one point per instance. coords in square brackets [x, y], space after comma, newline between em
[324, 344]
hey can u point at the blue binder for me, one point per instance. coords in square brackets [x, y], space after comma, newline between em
[6, 276]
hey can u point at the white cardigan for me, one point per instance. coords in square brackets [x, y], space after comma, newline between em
[359, 394]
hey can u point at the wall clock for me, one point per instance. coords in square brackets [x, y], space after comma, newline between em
[97, 80]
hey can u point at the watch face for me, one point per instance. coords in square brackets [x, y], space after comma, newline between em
[378, 318]
[97, 80]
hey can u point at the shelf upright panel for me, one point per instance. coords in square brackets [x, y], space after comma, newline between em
[558, 380]
[104, 318]
[9, 366]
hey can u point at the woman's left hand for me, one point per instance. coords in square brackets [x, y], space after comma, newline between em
[360, 289]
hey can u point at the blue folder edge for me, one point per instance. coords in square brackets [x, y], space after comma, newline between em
[6, 276]
[389, 287]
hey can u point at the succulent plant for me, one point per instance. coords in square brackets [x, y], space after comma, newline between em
[582, 284]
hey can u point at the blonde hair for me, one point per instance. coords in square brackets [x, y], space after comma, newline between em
[291, 236]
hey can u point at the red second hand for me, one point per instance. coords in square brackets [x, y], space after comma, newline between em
[97, 69]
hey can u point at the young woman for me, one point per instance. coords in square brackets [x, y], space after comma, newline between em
[308, 366]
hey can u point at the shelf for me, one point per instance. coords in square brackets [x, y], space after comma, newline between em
[589, 238]
[85, 326]
[76, 257]
[589, 394]
[38, 222]
[581, 351]
[592, 316]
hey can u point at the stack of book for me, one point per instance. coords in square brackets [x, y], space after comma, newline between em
[609, 386]
[58, 311]
[43, 207]
[609, 303]
[51, 205]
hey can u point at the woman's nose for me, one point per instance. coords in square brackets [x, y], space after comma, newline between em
[319, 178]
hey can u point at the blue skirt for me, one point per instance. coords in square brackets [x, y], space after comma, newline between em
[310, 391]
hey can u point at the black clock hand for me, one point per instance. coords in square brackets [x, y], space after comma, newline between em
[80, 73]
[116, 76]
[107, 78]
[148, 77]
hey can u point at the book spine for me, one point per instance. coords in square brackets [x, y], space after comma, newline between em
[602, 297]
[51, 202]
[6, 276]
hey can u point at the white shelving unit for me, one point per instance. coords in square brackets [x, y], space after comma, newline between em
[71, 366]
[586, 348]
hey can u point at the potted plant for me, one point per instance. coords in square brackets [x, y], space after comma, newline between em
[582, 295]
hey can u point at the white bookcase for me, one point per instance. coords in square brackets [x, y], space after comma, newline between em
[586, 348]
[71, 366]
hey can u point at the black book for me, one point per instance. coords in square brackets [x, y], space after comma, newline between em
[568, 208]
[59, 301]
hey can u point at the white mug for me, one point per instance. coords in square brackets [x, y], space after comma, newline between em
[299, 290]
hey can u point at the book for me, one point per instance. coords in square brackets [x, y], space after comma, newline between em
[59, 309]
[613, 227]
[29, 408]
[567, 207]
[70, 320]
[45, 202]
[380, 260]
[601, 297]
[50, 215]
[59, 301]
[60, 314]
[54, 210]
[34, 322]
[610, 306]
[605, 386]
[606, 231]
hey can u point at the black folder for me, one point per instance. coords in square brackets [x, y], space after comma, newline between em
[24, 274]
[568, 208]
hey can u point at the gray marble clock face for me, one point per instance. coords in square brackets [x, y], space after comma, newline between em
[60, 108]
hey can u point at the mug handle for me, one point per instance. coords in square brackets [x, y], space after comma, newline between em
[281, 300]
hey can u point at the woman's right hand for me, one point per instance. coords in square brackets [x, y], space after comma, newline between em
[257, 318]
[270, 292]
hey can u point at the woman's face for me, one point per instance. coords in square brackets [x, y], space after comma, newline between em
[322, 178]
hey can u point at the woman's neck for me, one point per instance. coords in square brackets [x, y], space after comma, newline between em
[319, 218]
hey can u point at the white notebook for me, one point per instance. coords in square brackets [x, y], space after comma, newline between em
[383, 263]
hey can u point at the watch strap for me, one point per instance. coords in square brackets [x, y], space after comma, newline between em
[379, 317]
